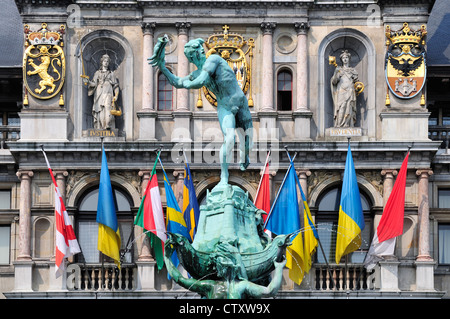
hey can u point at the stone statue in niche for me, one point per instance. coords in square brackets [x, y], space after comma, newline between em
[104, 86]
[344, 89]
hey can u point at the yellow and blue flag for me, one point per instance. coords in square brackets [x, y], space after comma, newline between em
[351, 218]
[175, 222]
[191, 211]
[108, 228]
[309, 231]
[283, 219]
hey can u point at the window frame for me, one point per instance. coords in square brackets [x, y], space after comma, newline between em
[161, 78]
[332, 216]
[282, 94]
[123, 218]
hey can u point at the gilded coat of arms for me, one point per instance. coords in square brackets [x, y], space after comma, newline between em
[43, 62]
[405, 63]
[230, 46]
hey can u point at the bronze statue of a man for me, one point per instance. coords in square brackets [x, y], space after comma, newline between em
[232, 106]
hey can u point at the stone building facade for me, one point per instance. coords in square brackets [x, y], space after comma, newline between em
[287, 45]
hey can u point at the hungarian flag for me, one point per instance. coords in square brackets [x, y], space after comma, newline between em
[151, 217]
[391, 222]
[262, 198]
[66, 244]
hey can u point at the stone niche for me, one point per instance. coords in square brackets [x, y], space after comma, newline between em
[93, 46]
[363, 60]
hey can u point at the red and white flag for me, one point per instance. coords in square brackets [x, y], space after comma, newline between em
[391, 222]
[262, 198]
[66, 244]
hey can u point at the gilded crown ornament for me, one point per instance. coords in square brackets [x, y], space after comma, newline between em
[230, 46]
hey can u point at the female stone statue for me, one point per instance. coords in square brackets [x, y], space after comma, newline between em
[343, 92]
[105, 88]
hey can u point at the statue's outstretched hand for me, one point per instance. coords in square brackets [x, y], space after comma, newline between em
[158, 57]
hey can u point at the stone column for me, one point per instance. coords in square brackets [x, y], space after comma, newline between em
[303, 178]
[424, 262]
[302, 114]
[267, 66]
[424, 215]
[388, 183]
[182, 115]
[183, 64]
[23, 266]
[25, 215]
[302, 65]
[143, 244]
[267, 113]
[179, 187]
[147, 115]
[389, 266]
[58, 284]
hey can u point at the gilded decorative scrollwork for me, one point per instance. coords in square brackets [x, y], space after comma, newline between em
[231, 47]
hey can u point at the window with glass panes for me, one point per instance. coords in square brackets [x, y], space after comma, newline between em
[327, 222]
[284, 90]
[87, 227]
[165, 93]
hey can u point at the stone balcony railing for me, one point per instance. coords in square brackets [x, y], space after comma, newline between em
[97, 277]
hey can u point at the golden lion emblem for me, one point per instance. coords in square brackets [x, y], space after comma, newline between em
[47, 82]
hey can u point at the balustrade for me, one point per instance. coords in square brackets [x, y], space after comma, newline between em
[352, 277]
[101, 278]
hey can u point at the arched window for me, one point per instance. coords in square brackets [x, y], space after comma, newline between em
[165, 94]
[327, 222]
[88, 226]
[284, 90]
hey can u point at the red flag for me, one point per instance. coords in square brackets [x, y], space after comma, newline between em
[391, 222]
[66, 243]
[262, 199]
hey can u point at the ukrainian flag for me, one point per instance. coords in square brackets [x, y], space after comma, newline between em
[351, 218]
[309, 231]
[108, 227]
[284, 218]
[191, 211]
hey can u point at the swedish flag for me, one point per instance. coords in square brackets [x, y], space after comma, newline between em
[191, 211]
[175, 222]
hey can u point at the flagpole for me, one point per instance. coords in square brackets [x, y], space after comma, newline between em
[318, 239]
[56, 185]
[365, 256]
[262, 176]
[278, 194]
[158, 153]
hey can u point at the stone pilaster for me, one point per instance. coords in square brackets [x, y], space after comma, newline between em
[182, 115]
[302, 114]
[267, 66]
[424, 262]
[23, 266]
[147, 115]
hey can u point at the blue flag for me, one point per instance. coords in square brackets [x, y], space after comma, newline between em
[284, 218]
[191, 211]
[108, 228]
[351, 218]
[175, 222]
